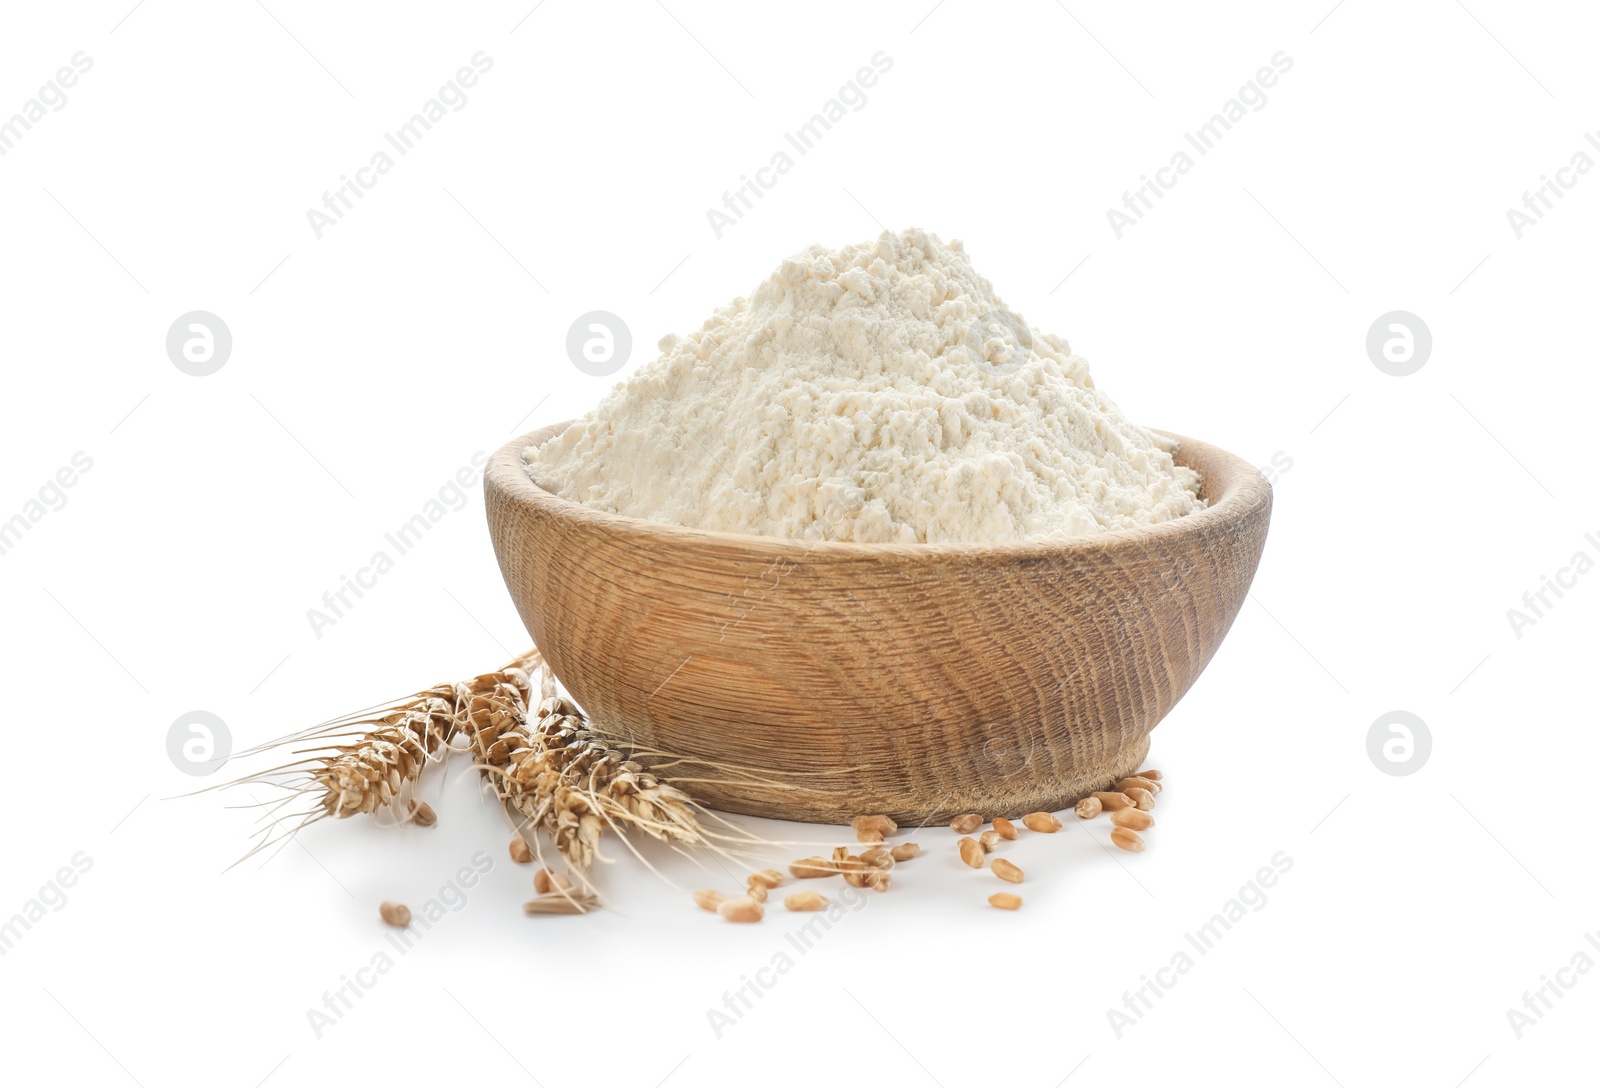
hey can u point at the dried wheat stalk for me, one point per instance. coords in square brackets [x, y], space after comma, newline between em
[553, 771]
[557, 775]
[364, 763]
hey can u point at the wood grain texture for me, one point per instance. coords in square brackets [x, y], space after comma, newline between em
[921, 681]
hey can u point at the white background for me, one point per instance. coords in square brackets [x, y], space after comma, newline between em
[369, 365]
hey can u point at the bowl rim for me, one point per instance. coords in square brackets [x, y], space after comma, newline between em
[1245, 491]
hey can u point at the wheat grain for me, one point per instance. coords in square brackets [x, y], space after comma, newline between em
[882, 825]
[741, 910]
[878, 858]
[1127, 838]
[1003, 869]
[812, 868]
[1133, 819]
[805, 901]
[1043, 822]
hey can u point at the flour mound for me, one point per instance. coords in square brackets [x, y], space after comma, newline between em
[878, 393]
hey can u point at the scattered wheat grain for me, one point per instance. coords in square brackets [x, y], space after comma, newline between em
[741, 910]
[1127, 838]
[878, 858]
[1006, 871]
[544, 882]
[812, 868]
[805, 901]
[883, 825]
[1042, 822]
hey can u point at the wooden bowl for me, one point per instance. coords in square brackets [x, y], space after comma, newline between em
[820, 681]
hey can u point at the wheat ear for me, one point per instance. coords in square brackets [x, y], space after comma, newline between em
[557, 775]
[365, 762]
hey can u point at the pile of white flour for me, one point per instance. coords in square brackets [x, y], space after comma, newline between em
[877, 393]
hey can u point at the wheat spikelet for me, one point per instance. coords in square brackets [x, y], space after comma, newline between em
[368, 775]
[559, 776]
[366, 762]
